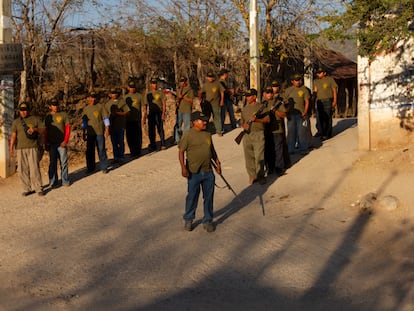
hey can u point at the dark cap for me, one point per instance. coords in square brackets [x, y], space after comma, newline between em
[320, 69]
[115, 91]
[131, 84]
[275, 83]
[24, 106]
[92, 94]
[297, 76]
[222, 71]
[154, 81]
[210, 74]
[268, 89]
[251, 92]
[183, 79]
[198, 115]
[53, 102]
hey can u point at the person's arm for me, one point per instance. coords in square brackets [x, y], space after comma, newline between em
[305, 110]
[67, 135]
[184, 170]
[335, 96]
[11, 144]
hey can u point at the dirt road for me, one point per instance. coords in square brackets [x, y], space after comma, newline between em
[300, 242]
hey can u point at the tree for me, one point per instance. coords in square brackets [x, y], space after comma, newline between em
[381, 23]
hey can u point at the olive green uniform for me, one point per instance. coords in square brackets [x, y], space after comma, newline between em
[254, 142]
[28, 155]
[213, 91]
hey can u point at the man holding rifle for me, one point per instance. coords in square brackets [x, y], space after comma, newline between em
[253, 118]
[197, 145]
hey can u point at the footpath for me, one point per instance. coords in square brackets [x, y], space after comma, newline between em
[300, 242]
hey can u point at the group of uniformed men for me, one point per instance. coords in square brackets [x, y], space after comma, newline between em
[266, 145]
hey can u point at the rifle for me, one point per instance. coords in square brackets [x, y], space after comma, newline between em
[225, 181]
[239, 137]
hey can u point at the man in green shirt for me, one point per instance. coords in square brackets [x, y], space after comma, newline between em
[325, 92]
[25, 131]
[57, 138]
[95, 124]
[253, 119]
[117, 109]
[184, 102]
[155, 109]
[214, 94]
[297, 97]
[198, 146]
[133, 130]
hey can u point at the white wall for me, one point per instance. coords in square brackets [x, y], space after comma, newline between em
[386, 99]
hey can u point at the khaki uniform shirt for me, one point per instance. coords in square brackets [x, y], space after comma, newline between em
[55, 124]
[198, 147]
[23, 141]
[213, 92]
[94, 116]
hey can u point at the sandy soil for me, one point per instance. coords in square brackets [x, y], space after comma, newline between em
[300, 242]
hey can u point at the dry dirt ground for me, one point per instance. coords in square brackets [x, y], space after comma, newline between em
[300, 242]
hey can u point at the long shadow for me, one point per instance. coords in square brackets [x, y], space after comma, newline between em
[244, 198]
[341, 257]
[343, 125]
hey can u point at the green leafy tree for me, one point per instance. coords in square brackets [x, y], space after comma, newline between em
[381, 24]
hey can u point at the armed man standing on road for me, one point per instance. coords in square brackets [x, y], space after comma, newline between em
[155, 109]
[25, 131]
[198, 147]
[253, 118]
[215, 96]
[325, 91]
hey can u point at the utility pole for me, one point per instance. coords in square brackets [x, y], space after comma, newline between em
[11, 61]
[254, 48]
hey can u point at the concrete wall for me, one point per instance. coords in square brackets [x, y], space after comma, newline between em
[386, 99]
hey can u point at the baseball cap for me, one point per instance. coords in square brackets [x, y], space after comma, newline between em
[154, 81]
[210, 74]
[320, 69]
[92, 94]
[183, 79]
[222, 71]
[24, 106]
[251, 92]
[131, 84]
[275, 83]
[53, 102]
[297, 76]
[198, 115]
[268, 89]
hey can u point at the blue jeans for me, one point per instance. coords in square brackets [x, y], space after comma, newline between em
[205, 180]
[183, 119]
[56, 152]
[297, 133]
[99, 142]
[118, 143]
